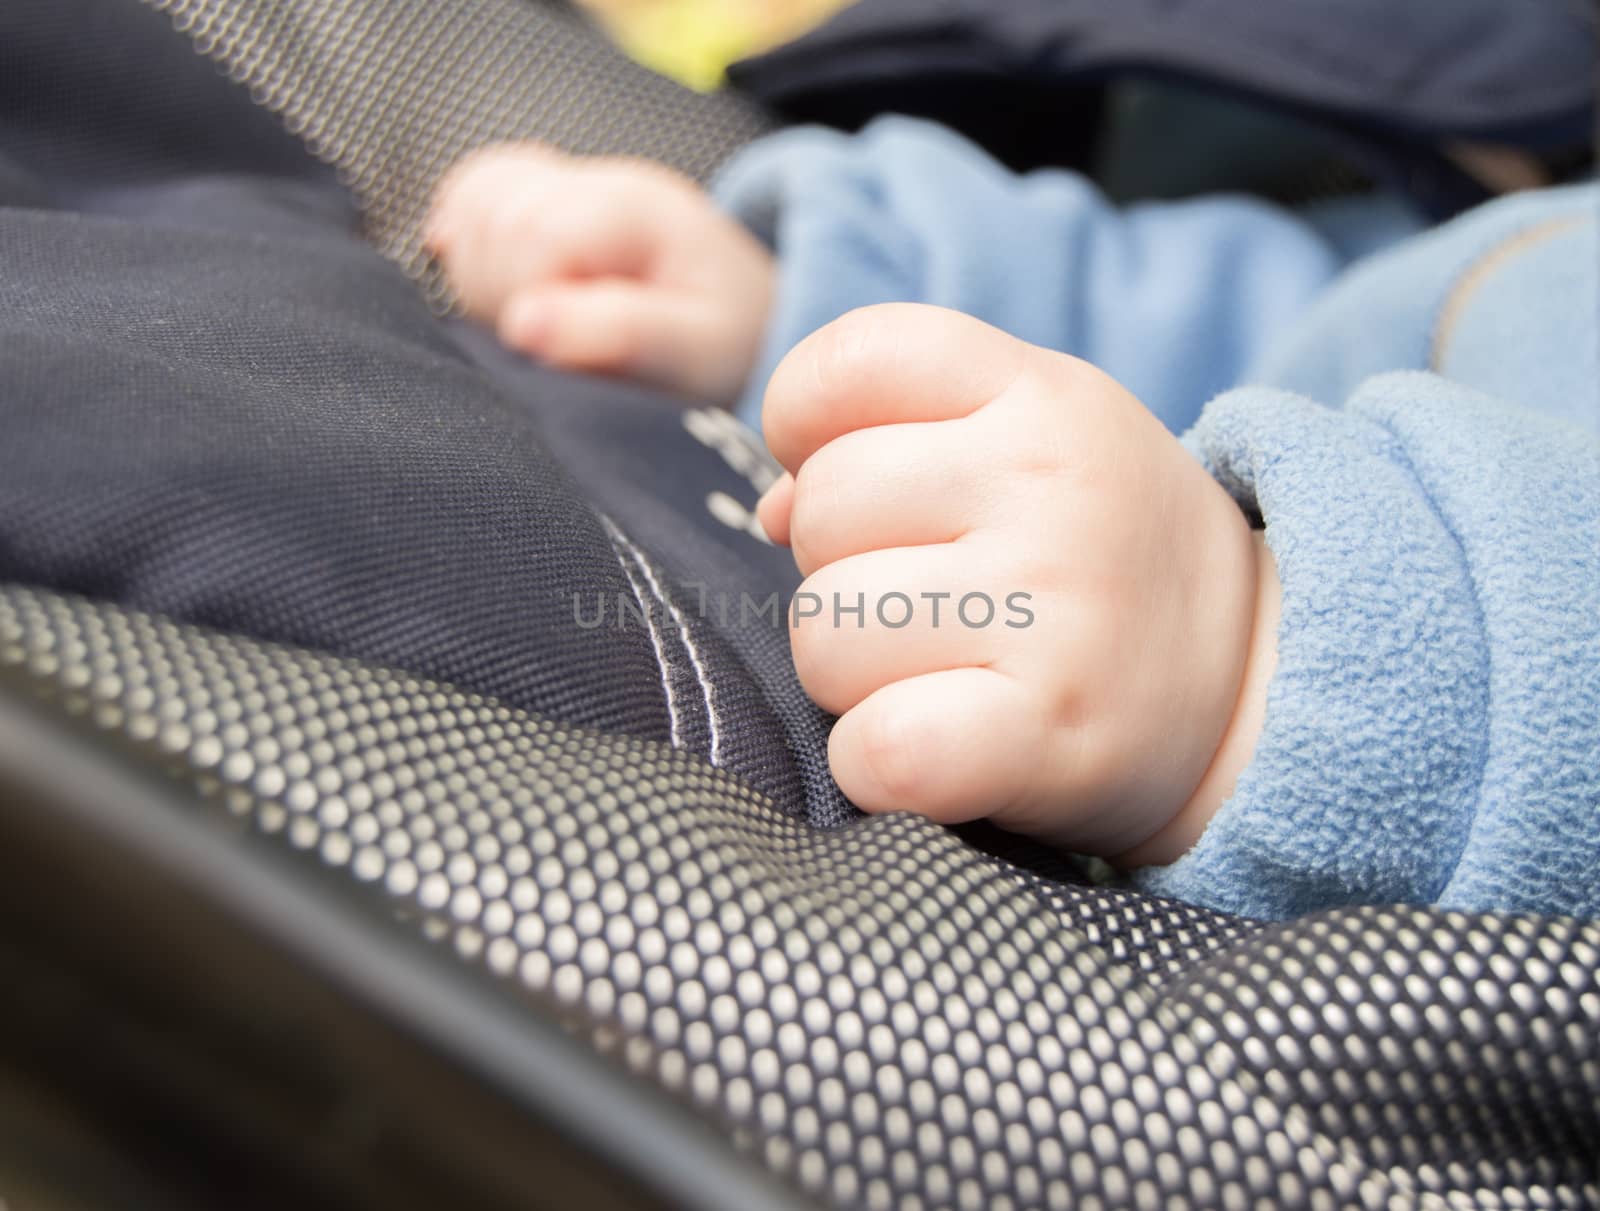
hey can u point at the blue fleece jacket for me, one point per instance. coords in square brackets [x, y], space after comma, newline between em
[1418, 429]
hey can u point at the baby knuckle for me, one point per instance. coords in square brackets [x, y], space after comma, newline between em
[1079, 699]
[1032, 567]
[633, 194]
[1050, 450]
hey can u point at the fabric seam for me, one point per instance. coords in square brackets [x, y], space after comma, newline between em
[1471, 279]
[614, 536]
[682, 625]
[700, 673]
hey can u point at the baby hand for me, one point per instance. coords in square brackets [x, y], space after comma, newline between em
[935, 457]
[604, 265]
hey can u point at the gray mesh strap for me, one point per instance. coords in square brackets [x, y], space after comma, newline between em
[391, 92]
[880, 1012]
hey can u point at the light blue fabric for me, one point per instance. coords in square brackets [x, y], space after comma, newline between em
[1530, 336]
[908, 211]
[1421, 439]
[1433, 728]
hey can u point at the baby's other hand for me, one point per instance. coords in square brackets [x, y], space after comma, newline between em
[1111, 707]
[608, 266]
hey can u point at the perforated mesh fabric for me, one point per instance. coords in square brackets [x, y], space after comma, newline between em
[880, 1012]
[391, 93]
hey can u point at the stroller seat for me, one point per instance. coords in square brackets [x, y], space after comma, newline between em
[301, 556]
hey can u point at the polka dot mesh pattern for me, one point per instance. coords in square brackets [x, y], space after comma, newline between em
[880, 1013]
[392, 92]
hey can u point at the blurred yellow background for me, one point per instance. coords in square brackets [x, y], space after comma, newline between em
[694, 40]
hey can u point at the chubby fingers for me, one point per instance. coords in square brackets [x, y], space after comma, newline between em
[871, 619]
[954, 745]
[507, 219]
[619, 327]
[890, 364]
[484, 218]
[480, 175]
[903, 485]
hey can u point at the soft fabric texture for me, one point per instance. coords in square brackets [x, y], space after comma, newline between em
[908, 211]
[1503, 299]
[1422, 443]
[1433, 727]
[223, 406]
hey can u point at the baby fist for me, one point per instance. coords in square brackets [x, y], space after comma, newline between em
[1114, 693]
[607, 266]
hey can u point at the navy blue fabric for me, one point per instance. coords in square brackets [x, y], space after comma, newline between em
[269, 435]
[638, 462]
[1396, 80]
[100, 93]
[220, 404]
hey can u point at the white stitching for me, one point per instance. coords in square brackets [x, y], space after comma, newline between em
[683, 635]
[616, 536]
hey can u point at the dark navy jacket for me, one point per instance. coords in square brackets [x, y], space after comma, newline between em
[1390, 82]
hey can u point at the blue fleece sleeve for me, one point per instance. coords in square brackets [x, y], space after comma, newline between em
[1173, 300]
[1432, 731]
